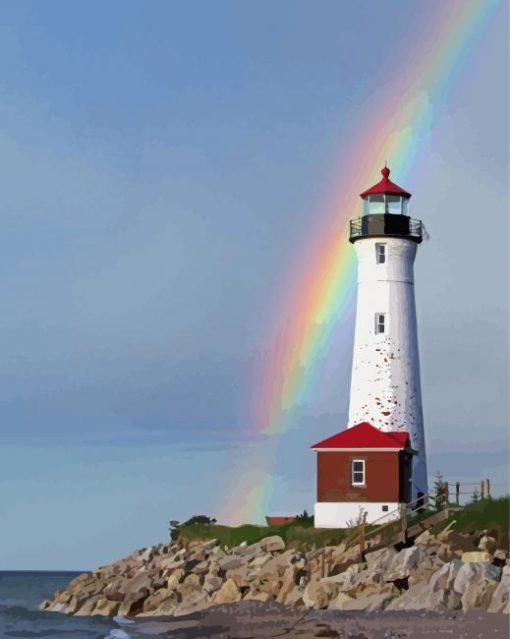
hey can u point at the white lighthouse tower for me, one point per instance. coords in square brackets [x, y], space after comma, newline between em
[385, 381]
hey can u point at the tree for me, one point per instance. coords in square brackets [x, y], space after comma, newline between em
[440, 491]
[304, 518]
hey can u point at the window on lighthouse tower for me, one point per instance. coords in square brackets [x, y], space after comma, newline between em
[380, 323]
[380, 253]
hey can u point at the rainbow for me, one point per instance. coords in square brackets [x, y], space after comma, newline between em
[323, 282]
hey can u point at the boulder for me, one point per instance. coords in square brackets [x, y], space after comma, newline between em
[478, 594]
[476, 556]
[288, 584]
[486, 542]
[106, 608]
[340, 601]
[370, 600]
[473, 572]
[155, 600]
[230, 562]
[500, 601]
[408, 561]
[133, 603]
[195, 602]
[176, 577]
[257, 596]
[272, 544]
[258, 562]
[212, 583]
[228, 593]
[88, 607]
[318, 594]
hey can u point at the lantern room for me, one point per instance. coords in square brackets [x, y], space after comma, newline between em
[385, 197]
[386, 213]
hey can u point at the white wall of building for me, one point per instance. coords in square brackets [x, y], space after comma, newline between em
[342, 514]
[385, 381]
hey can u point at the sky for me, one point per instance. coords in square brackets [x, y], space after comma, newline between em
[161, 166]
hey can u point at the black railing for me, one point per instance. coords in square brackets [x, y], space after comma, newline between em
[387, 224]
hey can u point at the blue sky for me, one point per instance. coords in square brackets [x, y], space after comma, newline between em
[160, 164]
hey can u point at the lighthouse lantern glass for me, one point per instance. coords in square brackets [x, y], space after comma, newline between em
[385, 204]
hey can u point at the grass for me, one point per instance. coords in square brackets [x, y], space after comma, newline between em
[492, 513]
[485, 513]
[294, 534]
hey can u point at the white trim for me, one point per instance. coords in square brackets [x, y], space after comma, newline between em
[357, 450]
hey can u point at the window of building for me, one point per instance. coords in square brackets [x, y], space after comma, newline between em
[358, 472]
[380, 253]
[385, 509]
[380, 323]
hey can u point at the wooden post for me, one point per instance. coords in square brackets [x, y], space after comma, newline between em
[482, 489]
[362, 540]
[457, 493]
[446, 494]
[322, 564]
[488, 486]
[403, 521]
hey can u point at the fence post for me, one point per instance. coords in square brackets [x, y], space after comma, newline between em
[322, 564]
[457, 493]
[488, 486]
[403, 521]
[362, 540]
[446, 494]
[482, 489]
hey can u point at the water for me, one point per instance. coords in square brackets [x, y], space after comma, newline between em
[22, 592]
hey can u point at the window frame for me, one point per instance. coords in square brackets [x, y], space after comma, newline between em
[363, 471]
[380, 254]
[378, 324]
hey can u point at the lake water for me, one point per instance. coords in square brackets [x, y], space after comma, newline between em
[22, 592]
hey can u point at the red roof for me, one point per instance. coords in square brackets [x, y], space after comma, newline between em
[364, 435]
[385, 186]
[278, 521]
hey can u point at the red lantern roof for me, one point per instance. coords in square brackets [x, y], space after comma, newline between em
[364, 435]
[385, 187]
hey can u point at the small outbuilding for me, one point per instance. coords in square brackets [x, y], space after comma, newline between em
[362, 471]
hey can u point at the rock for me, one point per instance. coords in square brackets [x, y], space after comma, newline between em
[408, 561]
[88, 607]
[272, 544]
[288, 584]
[175, 579]
[257, 596]
[434, 594]
[133, 603]
[473, 572]
[478, 594]
[201, 568]
[340, 601]
[258, 562]
[212, 583]
[500, 601]
[368, 602]
[155, 600]
[499, 557]
[380, 559]
[197, 601]
[230, 562]
[228, 593]
[485, 542]
[476, 556]
[106, 607]
[318, 594]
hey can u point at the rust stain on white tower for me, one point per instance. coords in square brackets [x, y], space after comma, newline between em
[385, 381]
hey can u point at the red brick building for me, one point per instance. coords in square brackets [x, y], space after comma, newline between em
[362, 470]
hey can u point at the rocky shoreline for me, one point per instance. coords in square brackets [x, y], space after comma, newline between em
[181, 578]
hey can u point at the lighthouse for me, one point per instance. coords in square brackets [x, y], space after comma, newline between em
[377, 464]
[385, 380]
